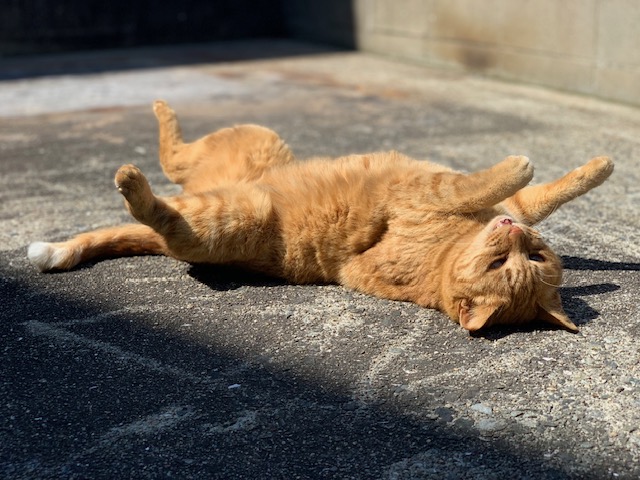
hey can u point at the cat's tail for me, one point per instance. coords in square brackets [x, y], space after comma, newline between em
[125, 240]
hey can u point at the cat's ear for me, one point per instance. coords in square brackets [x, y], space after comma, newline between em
[551, 312]
[474, 317]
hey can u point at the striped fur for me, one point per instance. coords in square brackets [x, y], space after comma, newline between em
[381, 223]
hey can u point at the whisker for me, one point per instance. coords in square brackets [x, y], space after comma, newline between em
[551, 284]
[569, 219]
[547, 283]
[551, 212]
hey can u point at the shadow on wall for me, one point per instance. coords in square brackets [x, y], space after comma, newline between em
[92, 62]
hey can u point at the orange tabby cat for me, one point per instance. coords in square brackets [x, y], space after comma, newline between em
[379, 223]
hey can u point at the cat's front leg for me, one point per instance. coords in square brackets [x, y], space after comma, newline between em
[489, 187]
[478, 190]
[535, 203]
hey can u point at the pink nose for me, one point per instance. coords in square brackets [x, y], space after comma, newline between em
[506, 221]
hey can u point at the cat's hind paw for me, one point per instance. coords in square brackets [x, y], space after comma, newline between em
[133, 185]
[162, 110]
[51, 256]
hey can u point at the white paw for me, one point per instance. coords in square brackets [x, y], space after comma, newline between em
[48, 256]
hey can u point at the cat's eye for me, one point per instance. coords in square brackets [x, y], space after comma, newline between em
[536, 257]
[497, 263]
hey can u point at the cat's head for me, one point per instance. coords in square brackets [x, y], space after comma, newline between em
[506, 276]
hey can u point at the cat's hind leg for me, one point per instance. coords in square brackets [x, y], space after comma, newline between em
[234, 224]
[171, 144]
[120, 241]
[139, 199]
[535, 203]
[226, 156]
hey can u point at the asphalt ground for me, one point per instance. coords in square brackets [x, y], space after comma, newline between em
[151, 368]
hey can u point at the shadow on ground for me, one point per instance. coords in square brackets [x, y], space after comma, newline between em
[14, 68]
[110, 391]
[579, 263]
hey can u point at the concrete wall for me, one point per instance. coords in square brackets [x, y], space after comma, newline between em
[585, 46]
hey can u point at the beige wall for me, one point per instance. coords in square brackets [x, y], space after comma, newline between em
[585, 46]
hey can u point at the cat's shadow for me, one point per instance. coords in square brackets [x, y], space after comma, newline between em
[578, 263]
[225, 277]
[574, 305]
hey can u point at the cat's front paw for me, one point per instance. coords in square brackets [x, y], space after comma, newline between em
[517, 167]
[521, 165]
[592, 173]
[133, 185]
[598, 169]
